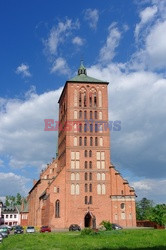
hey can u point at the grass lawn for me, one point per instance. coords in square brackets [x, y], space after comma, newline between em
[122, 239]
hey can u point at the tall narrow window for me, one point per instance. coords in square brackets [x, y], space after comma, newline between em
[57, 209]
[90, 101]
[86, 199]
[80, 100]
[86, 164]
[90, 153]
[77, 189]
[91, 127]
[95, 114]
[85, 141]
[95, 100]
[90, 176]
[96, 127]
[80, 141]
[90, 200]
[91, 115]
[84, 99]
[86, 176]
[85, 127]
[86, 187]
[85, 153]
[75, 98]
[90, 164]
[80, 127]
[75, 114]
[90, 187]
[96, 141]
[91, 141]
[75, 141]
[80, 114]
[85, 115]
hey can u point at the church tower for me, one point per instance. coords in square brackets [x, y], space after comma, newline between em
[81, 186]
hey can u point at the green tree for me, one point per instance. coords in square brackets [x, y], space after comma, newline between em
[158, 214]
[18, 199]
[13, 200]
[144, 208]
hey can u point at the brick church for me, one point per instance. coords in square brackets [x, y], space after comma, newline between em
[81, 186]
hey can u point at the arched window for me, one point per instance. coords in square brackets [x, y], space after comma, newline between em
[84, 99]
[77, 176]
[90, 153]
[91, 127]
[98, 189]
[103, 176]
[85, 141]
[91, 115]
[85, 153]
[90, 164]
[86, 164]
[122, 205]
[86, 187]
[57, 209]
[96, 127]
[90, 187]
[86, 199]
[80, 141]
[77, 189]
[80, 127]
[103, 189]
[85, 127]
[86, 176]
[72, 189]
[80, 114]
[90, 100]
[100, 115]
[91, 141]
[72, 176]
[95, 114]
[90, 200]
[98, 176]
[80, 100]
[90, 176]
[85, 115]
[95, 100]
[96, 141]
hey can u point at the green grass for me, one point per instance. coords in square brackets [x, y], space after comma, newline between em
[124, 239]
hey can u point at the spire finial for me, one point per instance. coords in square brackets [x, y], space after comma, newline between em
[82, 69]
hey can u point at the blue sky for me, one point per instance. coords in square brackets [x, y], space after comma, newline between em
[122, 42]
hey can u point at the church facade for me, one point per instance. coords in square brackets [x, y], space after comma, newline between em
[81, 186]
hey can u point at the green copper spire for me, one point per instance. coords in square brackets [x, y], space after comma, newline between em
[82, 69]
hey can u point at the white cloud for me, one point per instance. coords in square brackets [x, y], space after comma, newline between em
[146, 16]
[153, 189]
[78, 41]
[23, 70]
[11, 184]
[92, 16]
[58, 34]
[107, 53]
[60, 66]
[22, 136]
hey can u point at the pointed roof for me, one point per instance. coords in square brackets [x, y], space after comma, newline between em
[83, 77]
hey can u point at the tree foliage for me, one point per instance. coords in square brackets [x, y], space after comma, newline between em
[13, 200]
[143, 208]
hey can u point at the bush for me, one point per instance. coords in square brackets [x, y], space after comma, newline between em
[87, 231]
[107, 225]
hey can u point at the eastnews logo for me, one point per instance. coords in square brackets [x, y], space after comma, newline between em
[79, 126]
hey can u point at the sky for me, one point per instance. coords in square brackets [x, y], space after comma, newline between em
[122, 42]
